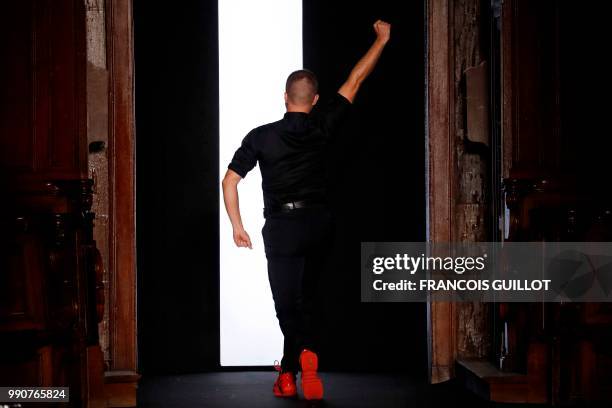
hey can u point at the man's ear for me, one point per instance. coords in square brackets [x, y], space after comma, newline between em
[286, 98]
[315, 100]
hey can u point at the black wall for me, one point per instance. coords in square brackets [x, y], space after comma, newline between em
[377, 170]
[176, 63]
[585, 85]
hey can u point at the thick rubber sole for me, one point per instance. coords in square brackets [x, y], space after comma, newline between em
[312, 386]
[279, 394]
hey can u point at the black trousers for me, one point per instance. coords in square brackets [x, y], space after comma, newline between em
[297, 245]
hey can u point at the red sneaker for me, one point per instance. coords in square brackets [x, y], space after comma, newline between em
[284, 386]
[312, 386]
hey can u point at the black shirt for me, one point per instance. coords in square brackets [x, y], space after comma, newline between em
[291, 152]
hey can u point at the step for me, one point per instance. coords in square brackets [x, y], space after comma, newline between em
[120, 388]
[488, 382]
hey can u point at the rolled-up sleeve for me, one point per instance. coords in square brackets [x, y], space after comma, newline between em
[245, 157]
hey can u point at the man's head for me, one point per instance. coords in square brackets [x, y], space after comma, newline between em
[301, 91]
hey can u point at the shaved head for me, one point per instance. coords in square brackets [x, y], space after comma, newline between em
[302, 87]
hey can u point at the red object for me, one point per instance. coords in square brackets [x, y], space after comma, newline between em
[284, 386]
[312, 386]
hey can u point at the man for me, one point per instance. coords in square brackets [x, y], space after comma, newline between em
[298, 226]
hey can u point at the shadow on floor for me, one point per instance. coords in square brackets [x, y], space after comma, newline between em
[254, 389]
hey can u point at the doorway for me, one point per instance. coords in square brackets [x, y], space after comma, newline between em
[377, 172]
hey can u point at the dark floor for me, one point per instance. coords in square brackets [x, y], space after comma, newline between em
[254, 389]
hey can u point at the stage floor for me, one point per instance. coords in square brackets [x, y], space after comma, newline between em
[253, 389]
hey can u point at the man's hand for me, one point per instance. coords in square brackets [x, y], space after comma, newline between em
[242, 239]
[383, 30]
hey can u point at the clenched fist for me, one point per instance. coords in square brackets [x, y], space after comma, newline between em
[242, 239]
[383, 30]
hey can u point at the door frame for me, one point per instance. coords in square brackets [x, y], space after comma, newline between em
[439, 96]
[122, 187]
[440, 159]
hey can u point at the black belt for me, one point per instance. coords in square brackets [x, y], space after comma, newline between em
[294, 205]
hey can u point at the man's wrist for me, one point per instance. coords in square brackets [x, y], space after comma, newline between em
[381, 41]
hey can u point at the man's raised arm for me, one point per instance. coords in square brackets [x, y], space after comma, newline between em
[367, 63]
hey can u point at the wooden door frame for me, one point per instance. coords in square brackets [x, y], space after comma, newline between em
[122, 183]
[122, 159]
[440, 159]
